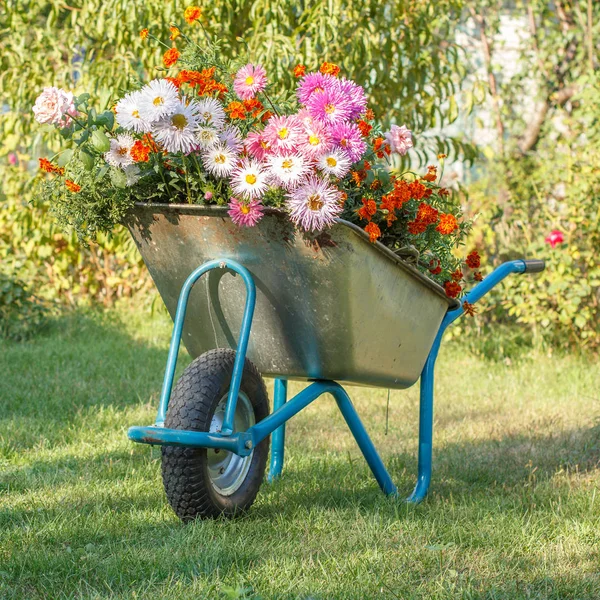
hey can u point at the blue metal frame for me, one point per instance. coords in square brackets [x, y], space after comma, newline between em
[242, 443]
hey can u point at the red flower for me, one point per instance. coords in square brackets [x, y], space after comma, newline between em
[556, 237]
[435, 267]
[368, 209]
[477, 276]
[473, 260]
[452, 289]
[469, 308]
[365, 128]
[457, 275]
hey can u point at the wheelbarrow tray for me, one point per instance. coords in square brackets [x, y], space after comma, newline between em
[328, 306]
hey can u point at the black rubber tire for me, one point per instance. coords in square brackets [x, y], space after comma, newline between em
[193, 401]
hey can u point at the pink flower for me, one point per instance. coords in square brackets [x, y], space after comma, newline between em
[314, 140]
[283, 133]
[399, 139]
[55, 106]
[313, 84]
[314, 204]
[332, 106]
[355, 96]
[556, 237]
[347, 137]
[245, 213]
[12, 159]
[257, 144]
[250, 80]
[208, 195]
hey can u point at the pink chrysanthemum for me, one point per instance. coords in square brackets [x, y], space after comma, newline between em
[314, 140]
[250, 80]
[257, 145]
[314, 204]
[348, 138]
[245, 213]
[305, 118]
[332, 106]
[283, 133]
[313, 84]
[355, 96]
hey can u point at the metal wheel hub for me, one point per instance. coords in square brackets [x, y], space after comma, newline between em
[226, 470]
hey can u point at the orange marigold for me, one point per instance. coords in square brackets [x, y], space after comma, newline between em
[377, 143]
[236, 110]
[253, 106]
[192, 14]
[72, 186]
[452, 289]
[175, 33]
[448, 224]
[416, 227]
[374, 232]
[328, 68]
[144, 33]
[477, 276]
[473, 260]
[358, 177]
[442, 156]
[369, 114]
[46, 165]
[364, 127]
[470, 309]
[457, 275]
[140, 152]
[299, 71]
[376, 184]
[417, 190]
[427, 214]
[170, 57]
[431, 173]
[369, 208]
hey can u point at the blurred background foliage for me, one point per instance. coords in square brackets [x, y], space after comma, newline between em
[424, 64]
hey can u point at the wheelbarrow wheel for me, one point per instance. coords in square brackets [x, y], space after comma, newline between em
[201, 482]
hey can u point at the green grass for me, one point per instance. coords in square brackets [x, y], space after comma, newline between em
[514, 510]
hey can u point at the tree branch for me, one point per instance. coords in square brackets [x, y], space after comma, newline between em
[487, 55]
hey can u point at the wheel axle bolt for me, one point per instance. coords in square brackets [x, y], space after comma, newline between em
[248, 444]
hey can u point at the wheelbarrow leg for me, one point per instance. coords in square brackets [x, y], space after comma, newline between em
[425, 433]
[278, 436]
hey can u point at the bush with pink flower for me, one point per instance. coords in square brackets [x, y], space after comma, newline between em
[206, 131]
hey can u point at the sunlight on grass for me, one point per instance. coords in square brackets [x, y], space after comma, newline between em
[513, 511]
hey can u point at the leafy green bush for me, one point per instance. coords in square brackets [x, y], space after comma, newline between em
[21, 315]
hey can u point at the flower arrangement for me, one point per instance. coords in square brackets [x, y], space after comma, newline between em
[207, 131]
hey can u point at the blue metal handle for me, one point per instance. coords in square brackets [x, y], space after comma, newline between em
[240, 357]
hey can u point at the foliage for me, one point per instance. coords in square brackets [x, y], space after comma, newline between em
[53, 262]
[21, 315]
[149, 156]
[545, 176]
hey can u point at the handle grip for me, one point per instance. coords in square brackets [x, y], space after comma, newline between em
[534, 265]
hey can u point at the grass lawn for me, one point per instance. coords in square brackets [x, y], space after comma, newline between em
[514, 510]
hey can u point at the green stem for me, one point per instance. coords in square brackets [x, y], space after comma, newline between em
[187, 184]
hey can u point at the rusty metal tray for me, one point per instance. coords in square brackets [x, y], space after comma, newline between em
[331, 306]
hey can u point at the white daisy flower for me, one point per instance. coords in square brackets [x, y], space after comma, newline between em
[232, 136]
[132, 173]
[220, 160]
[157, 99]
[211, 113]
[207, 137]
[249, 180]
[176, 131]
[119, 154]
[287, 169]
[334, 163]
[128, 113]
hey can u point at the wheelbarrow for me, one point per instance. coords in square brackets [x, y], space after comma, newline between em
[328, 309]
